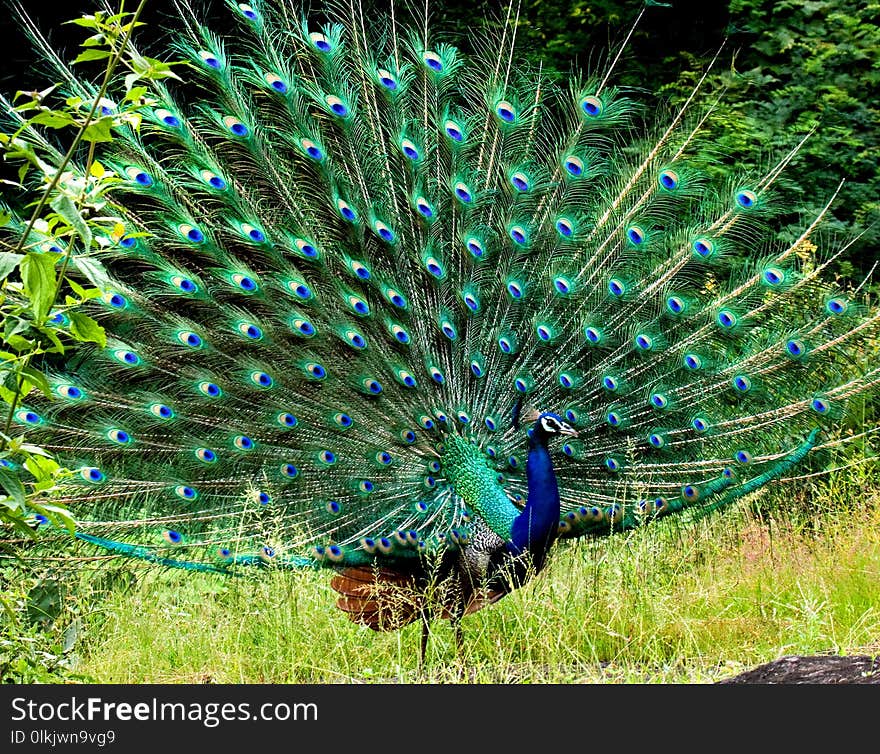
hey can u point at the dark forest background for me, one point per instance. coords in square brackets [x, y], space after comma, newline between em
[786, 66]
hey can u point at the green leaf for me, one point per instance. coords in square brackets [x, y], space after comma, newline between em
[159, 69]
[16, 519]
[38, 276]
[57, 515]
[19, 343]
[135, 93]
[13, 488]
[85, 294]
[84, 328]
[90, 54]
[45, 603]
[38, 380]
[8, 262]
[94, 271]
[26, 447]
[14, 324]
[10, 382]
[99, 130]
[41, 468]
[49, 333]
[131, 79]
[52, 119]
[95, 40]
[65, 207]
[21, 150]
[90, 22]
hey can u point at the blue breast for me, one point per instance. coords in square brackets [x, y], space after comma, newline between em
[534, 530]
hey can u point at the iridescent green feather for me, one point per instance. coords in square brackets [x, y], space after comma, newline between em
[351, 250]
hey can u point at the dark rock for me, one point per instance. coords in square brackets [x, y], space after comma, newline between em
[814, 669]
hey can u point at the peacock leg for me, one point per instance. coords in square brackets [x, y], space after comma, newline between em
[459, 638]
[457, 615]
[426, 632]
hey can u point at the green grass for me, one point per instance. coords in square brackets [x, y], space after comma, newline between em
[686, 602]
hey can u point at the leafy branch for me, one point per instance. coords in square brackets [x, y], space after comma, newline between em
[63, 219]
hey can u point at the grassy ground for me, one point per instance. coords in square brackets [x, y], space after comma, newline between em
[797, 572]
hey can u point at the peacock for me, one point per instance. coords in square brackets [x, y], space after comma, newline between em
[379, 306]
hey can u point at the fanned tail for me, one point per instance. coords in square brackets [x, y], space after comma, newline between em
[338, 262]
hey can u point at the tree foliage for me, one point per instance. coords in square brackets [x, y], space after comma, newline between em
[55, 219]
[786, 68]
[815, 65]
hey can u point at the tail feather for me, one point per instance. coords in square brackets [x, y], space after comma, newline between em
[333, 248]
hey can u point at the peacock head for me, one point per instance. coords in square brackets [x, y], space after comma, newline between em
[549, 425]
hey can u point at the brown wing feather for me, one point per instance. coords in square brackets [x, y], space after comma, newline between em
[386, 600]
[380, 598]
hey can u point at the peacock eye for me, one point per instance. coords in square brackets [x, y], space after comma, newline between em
[463, 192]
[191, 233]
[320, 42]
[520, 181]
[746, 199]
[253, 233]
[454, 131]
[475, 247]
[410, 150]
[433, 61]
[384, 232]
[387, 79]
[312, 150]
[167, 118]
[235, 126]
[550, 424]
[424, 207]
[337, 106]
[506, 111]
[306, 248]
[669, 180]
[210, 59]
[573, 165]
[141, 177]
[213, 180]
[248, 12]
[519, 235]
[276, 82]
[592, 106]
[564, 227]
[837, 305]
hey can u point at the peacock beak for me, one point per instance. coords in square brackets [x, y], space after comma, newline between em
[569, 431]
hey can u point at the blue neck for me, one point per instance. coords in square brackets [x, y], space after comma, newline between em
[534, 530]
